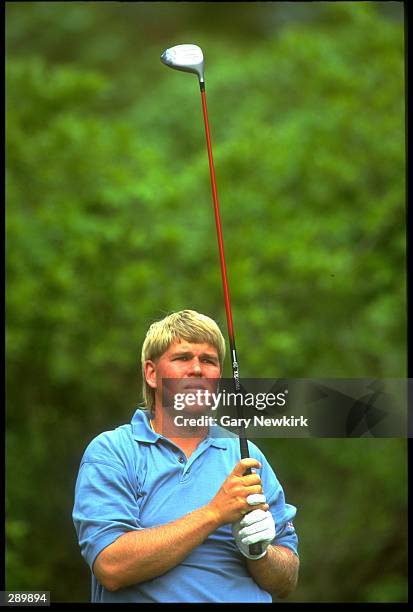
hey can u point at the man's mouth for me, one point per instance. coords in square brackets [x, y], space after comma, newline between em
[193, 387]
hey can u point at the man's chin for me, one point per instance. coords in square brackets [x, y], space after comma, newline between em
[195, 411]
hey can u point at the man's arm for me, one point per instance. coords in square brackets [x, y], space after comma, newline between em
[277, 571]
[137, 556]
[141, 555]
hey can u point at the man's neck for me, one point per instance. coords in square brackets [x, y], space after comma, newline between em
[186, 438]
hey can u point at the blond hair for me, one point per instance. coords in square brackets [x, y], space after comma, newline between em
[186, 325]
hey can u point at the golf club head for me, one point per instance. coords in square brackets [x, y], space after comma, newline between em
[188, 58]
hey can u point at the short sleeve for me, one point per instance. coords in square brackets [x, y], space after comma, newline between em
[283, 514]
[106, 503]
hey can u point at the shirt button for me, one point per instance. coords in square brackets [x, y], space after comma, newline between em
[181, 459]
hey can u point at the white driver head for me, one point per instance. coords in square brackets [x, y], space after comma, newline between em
[188, 58]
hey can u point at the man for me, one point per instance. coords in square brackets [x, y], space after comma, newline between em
[169, 518]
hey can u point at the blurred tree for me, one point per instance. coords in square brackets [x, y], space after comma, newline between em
[109, 226]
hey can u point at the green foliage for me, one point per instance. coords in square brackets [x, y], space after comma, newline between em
[352, 516]
[109, 226]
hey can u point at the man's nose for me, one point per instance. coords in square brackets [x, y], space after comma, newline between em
[195, 369]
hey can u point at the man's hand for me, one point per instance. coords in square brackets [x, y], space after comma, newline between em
[230, 503]
[257, 526]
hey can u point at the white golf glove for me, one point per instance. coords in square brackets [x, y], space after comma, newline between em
[256, 526]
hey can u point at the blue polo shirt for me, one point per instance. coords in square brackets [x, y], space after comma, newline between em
[132, 478]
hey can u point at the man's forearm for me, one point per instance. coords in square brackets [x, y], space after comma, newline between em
[141, 555]
[277, 571]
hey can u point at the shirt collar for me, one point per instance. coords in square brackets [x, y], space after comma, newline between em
[141, 429]
[213, 436]
[143, 432]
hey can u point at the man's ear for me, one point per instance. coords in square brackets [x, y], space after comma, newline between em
[150, 373]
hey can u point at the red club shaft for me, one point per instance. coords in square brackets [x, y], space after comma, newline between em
[234, 360]
[254, 549]
[218, 225]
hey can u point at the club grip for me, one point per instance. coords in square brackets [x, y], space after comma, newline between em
[253, 549]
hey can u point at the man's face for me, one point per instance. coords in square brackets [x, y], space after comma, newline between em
[192, 363]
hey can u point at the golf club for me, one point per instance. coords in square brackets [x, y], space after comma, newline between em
[189, 58]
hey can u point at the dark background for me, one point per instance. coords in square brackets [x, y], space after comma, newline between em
[109, 226]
